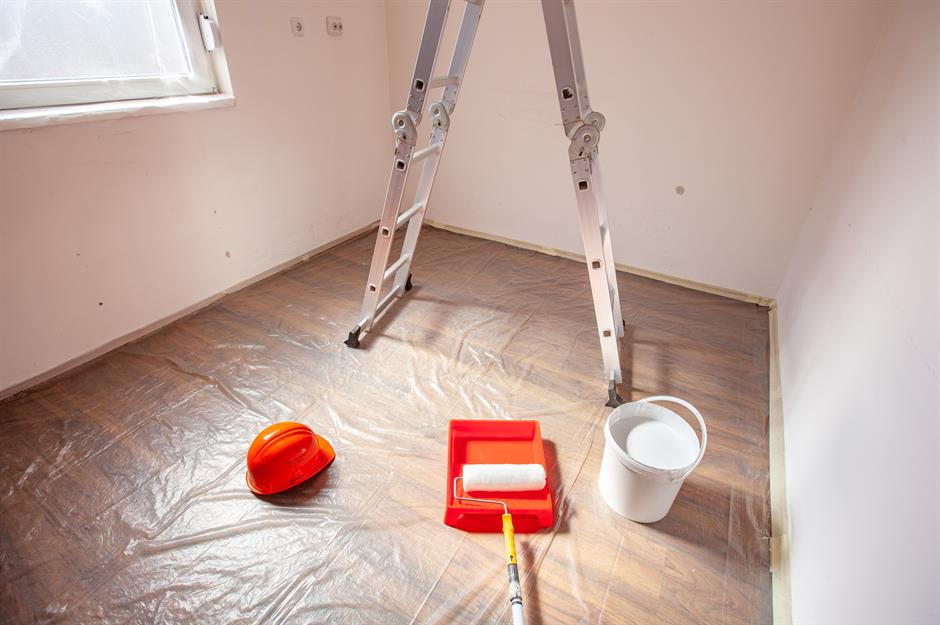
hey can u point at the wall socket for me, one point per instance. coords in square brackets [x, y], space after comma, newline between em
[297, 26]
[334, 26]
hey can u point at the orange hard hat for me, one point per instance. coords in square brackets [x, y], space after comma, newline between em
[284, 455]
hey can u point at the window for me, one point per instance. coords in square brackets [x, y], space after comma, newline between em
[70, 52]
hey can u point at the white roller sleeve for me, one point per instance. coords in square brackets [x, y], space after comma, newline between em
[504, 477]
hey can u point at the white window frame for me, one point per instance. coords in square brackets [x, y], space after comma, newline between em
[209, 86]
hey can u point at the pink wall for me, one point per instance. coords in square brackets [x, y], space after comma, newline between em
[860, 351]
[738, 102]
[150, 215]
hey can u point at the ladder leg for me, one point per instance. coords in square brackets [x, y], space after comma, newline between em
[440, 113]
[583, 128]
[599, 270]
[403, 123]
[422, 194]
[608, 248]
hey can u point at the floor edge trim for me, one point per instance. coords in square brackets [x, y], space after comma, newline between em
[740, 296]
[779, 512]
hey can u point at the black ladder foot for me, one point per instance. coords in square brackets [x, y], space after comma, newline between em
[613, 398]
[353, 340]
[408, 284]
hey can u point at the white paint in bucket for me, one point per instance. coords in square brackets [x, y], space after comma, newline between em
[649, 450]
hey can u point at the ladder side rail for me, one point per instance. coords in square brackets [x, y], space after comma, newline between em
[611, 268]
[577, 59]
[427, 57]
[597, 267]
[458, 61]
[386, 233]
[404, 125]
[422, 195]
[559, 47]
[440, 113]
[582, 127]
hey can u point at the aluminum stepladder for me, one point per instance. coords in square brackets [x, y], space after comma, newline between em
[582, 127]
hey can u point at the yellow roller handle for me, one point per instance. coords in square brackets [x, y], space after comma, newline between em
[509, 537]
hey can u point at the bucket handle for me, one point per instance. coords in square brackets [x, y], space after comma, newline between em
[701, 424]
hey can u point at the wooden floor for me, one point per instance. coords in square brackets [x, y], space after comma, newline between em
[122, 493]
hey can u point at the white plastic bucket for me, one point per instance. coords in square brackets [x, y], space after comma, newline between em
[649, 450]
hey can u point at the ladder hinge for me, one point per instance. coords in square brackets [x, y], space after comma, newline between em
[584, 140]
[404, 126]
[440, 115]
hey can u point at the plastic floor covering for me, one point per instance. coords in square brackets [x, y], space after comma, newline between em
[122, 484]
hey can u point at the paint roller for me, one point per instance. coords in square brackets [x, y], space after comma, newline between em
[492, 478]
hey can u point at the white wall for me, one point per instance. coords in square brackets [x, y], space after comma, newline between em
[150, 215]
[860, 365]
[737, 102]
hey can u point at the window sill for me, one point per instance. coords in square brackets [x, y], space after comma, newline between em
[72, 114]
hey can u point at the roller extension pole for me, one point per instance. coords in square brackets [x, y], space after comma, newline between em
[512, 568]
[492, 476]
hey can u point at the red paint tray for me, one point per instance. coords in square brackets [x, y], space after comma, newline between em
[496, 442]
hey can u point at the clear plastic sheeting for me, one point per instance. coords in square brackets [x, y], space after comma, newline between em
[122, 486]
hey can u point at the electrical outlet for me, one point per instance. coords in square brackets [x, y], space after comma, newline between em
[297, 26]
[334, 26]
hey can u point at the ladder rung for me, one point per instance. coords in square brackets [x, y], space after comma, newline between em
[444, 81]
[381, 306]
[408, 214]
[425, 152]
[398, 263]
[385, 302]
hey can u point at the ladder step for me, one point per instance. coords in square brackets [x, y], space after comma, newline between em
[444, 81]
[395, 267]
[408, 214]
[385, 302]
[425, 152]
